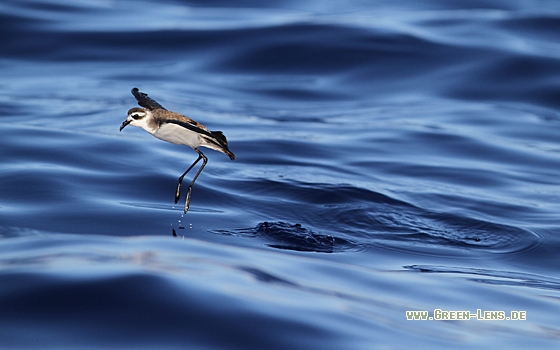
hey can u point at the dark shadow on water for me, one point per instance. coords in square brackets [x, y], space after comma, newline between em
[282, 235]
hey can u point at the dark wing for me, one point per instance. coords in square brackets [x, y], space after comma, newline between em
[220, 136]
[190, 127]
[145, 101]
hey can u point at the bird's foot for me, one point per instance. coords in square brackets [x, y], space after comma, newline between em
[178, 193]
[188, 201]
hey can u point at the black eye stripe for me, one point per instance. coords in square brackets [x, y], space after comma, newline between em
[136, 116]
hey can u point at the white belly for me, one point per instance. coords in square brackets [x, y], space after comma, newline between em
[178, 135]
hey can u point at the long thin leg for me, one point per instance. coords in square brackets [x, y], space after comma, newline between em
[178, 192]
[188, 201]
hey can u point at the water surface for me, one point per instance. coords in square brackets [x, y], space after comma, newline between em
[390, 157]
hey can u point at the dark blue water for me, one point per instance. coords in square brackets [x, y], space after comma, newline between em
[390, 157]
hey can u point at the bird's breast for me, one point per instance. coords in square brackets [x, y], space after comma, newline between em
[178, 135]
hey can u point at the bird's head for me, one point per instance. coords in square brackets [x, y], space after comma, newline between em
[137, 117]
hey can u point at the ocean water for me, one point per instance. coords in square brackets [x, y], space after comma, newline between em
[390, 157]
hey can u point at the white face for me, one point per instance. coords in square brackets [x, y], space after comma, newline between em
[138, 117]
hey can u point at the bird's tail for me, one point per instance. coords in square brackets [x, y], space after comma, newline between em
[218, 135]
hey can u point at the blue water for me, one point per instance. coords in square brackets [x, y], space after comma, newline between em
[390, 157]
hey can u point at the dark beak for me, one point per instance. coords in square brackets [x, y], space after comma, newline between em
[125, 123]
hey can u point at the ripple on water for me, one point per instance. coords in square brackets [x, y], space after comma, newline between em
[347, 218]
[494, 277]
[409, 228]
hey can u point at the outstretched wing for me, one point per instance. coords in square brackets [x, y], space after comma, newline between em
[145, 101]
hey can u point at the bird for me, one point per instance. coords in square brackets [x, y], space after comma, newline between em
[178, 129]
